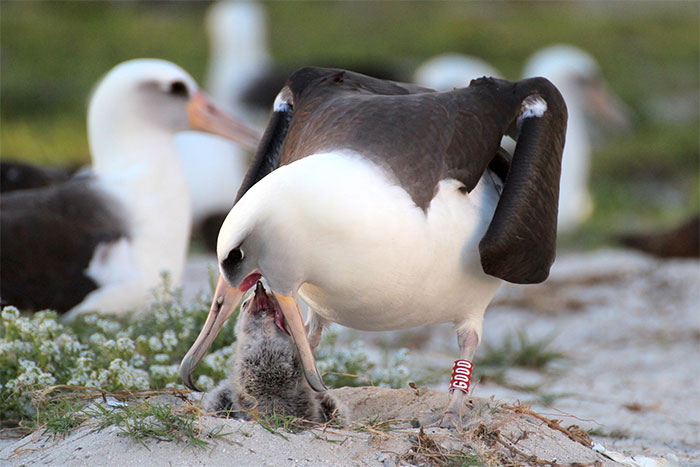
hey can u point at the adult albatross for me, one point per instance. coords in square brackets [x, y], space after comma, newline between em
[100, 240]
[386, 209]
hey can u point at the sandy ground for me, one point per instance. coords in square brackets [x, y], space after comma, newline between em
[497, 434]
[628, 324]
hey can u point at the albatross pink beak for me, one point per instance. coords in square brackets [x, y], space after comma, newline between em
[607, 106]
[226, 299]
[205, 116]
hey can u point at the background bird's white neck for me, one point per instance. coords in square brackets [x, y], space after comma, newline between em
[144, 172]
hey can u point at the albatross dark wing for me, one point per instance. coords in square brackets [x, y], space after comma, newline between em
[420, 137]
[47, 238]
[271, 152]
[519, 245]
[16, 175]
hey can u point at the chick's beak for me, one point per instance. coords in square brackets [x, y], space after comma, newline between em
[207, 117]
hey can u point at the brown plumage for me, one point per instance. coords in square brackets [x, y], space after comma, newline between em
[682, 241]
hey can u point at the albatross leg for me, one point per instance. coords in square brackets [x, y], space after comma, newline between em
[315, 325]
[468, 340]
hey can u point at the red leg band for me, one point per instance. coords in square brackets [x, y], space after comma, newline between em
[461, 375]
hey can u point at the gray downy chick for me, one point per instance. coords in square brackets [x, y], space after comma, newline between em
[266, 374]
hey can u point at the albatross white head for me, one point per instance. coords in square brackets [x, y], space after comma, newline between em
[244, 250]
[238, 40]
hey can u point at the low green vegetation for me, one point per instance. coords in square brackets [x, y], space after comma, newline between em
[51, 372]
[518, 350]
[60, 410]
[353, 367]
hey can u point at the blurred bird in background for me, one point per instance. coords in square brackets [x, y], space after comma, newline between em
[244, 79]
[578, 77]
[215, 166]
[101, 239]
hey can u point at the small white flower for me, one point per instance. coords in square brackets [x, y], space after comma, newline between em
[205, 382]
[21, 348]
[24, 379]
[25, 326]
[138, 360]
[108, 326]
[46, 379]
[10, 314]
[117, 365]
[219, 360]
[46, 327]
[90, 319]
[164, 371]
[83, 363]
[141, 379]
[161, 358]
[154, 343]
[97, 339]
[49, 348]
[27, 365]
[169, 339]
[125, 344]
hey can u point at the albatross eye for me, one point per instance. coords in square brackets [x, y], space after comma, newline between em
[232, 263]
[178, 88]
[234, 257]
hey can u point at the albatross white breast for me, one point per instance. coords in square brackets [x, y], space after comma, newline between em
[365, 222]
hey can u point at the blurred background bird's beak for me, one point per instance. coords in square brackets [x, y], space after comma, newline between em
[205, 116]
[608, 107]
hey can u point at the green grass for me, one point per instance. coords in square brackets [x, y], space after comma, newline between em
[144, 420]
[139, 419]
[61, 416]
[519, 351]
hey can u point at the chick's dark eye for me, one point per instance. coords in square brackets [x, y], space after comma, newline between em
[178, 88]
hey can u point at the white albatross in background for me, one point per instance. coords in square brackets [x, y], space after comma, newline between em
[101, 240]
[578, 77]
[215, 166]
